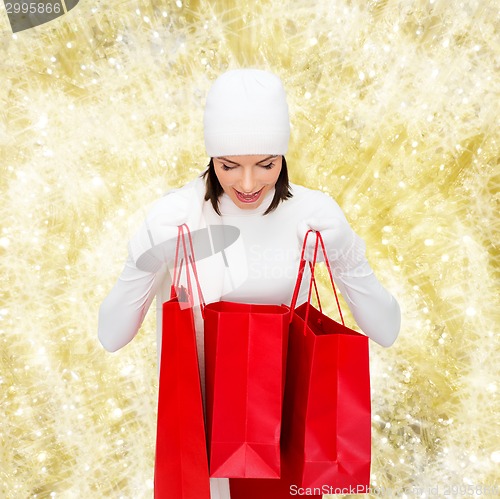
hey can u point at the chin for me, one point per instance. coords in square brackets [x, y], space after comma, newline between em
[245, 206]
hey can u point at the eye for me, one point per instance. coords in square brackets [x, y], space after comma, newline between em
[268, 167]
[227, 168]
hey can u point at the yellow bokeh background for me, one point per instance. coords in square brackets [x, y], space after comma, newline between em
[394, 108]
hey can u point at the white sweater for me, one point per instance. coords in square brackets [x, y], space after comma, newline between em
[260, 266]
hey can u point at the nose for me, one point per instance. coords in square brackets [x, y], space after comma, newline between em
[247, 181]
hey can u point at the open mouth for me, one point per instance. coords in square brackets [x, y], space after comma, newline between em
[248, 198]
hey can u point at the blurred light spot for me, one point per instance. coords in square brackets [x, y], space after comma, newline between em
[471, 311]
[97, 181]
[42, 122]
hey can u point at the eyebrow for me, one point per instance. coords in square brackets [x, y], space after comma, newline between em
[234, 163]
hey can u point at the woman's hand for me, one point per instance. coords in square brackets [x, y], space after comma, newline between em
[344, 248]
[155, 241]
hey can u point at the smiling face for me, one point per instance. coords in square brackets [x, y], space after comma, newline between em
[247, 179]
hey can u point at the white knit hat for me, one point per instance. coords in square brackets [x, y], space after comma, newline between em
[246, 113]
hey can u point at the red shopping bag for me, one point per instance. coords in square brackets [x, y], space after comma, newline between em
[326, 438]
[181, 465]
[326, 431]
[285, 487]
[245, 362]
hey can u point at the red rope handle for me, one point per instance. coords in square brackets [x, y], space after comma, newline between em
[308, 306]
[184, 249]
[298, 282]
[189, 259]
[315, 287]
[177, 265]
[195, 272]
[312, 264]
[331, 277]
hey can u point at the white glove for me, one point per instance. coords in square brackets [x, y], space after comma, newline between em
[345, 249]
[155, 241]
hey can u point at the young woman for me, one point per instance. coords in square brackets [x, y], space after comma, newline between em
[248, 223]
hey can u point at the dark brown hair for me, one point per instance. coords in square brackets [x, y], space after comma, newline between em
[214, 189]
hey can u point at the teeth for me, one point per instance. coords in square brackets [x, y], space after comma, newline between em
[248, 198]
